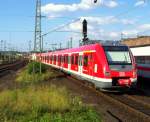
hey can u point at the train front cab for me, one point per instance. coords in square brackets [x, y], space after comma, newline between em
[120, 67]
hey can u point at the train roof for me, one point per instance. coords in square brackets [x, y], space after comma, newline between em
[82, 48]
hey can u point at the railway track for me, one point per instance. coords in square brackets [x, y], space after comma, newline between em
[133, 107]
[129, 101]
[5, 69]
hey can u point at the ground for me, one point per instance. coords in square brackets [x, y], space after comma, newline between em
[108, 111]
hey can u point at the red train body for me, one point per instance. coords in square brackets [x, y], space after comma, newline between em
[106, 66]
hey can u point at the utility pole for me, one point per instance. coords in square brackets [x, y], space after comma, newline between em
[30, 46]
[37, 38]
[5, 50]
[5, 46]
[42, 46]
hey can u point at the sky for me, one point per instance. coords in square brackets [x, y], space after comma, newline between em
[107, 20]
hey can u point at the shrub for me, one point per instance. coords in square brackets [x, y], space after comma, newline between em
[24, 77]
[27, 75]
[34, 67]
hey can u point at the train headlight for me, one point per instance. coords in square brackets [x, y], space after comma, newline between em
[107, 73]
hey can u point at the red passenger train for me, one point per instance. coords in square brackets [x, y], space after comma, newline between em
[106, 66]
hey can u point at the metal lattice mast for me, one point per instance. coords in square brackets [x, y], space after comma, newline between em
[37, 38]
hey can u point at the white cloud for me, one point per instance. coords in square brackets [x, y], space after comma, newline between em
[111, 4]
[51, 7]
[140, 3]
[101, 20]
[129, 32]
[95, 27]
[137, 30]
[114, 34]
[96, 22]
[83, 5]
[128, 21]
[144, 27]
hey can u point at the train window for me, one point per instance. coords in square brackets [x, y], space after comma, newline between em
[72, 59]
[62, 59]
[85, 63]
[59, 58]
[76, 60]
[51, 58]
[55, 58]
[147, 60]
[143, 59]
[140, 60]
[69, 59]
[66, 60]
[80, 61]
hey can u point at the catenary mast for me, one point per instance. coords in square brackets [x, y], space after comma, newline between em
[37, 38]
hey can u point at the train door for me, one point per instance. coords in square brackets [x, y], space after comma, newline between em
[85, 64]
[80, 66]
[69, 62]
[88, 64]
[66, 61]
[76, 62]
[59, 60]
[91, 64]
[72, 61]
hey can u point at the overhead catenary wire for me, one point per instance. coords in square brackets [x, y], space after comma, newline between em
[61, 26]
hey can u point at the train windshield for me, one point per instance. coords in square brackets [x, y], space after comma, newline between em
[117, 55]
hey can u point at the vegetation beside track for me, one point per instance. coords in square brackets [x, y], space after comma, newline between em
[36, 102]
[31, 74]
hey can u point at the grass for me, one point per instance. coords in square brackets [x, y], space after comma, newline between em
[42, 103]
[27, 76]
